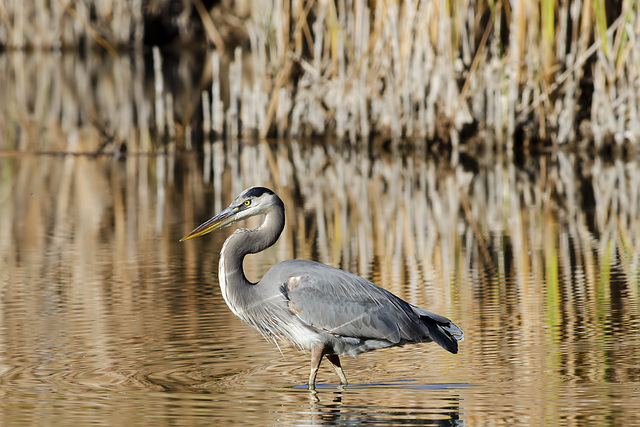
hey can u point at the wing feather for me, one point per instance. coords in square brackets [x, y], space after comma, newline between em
[344, 304]
[340, 303]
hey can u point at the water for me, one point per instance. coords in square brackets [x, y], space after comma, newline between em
[107, 319]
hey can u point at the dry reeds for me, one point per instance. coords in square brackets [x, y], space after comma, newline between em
[59, 23]
[428, 68]
[555, 71]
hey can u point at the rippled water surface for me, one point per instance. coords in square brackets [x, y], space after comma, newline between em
[105, 318]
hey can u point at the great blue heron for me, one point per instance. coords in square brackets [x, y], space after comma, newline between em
[327, 311]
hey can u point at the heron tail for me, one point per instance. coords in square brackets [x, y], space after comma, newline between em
[442, 331]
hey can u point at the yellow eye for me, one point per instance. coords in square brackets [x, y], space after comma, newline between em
[247, 202]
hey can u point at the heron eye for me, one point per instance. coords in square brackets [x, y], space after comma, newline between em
[247, 202]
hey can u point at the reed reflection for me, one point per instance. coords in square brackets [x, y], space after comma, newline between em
[537, 261]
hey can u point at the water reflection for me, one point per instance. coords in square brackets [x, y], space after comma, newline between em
[105, 317]
[440, 408]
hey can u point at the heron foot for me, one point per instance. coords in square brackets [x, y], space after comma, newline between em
[317, 351]
[335, 361]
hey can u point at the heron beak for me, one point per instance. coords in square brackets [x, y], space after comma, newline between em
[223, 219]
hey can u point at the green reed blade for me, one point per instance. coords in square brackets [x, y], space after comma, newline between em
[601, 24]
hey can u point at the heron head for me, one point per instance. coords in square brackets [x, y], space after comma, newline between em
[252, 201]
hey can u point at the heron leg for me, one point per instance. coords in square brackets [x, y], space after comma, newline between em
[335, 361]
[317, 351]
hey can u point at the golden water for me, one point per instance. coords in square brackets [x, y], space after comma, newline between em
[105, 318]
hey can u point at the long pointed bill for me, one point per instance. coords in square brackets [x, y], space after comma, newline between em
[223, 219]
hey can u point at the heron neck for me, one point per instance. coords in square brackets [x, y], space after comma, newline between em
[246, 241]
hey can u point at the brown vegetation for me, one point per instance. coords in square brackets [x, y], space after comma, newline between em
[559, 72]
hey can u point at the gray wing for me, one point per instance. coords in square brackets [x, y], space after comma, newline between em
[347, 305]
